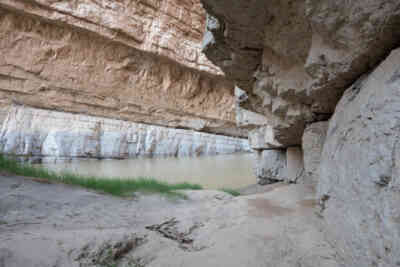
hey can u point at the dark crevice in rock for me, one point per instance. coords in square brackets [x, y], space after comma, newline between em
[383, 181]
[322, 202]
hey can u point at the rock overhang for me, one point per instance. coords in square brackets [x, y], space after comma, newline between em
[295, 58]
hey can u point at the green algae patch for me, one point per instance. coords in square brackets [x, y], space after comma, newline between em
[115, 186]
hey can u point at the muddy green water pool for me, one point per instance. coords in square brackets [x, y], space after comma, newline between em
[212, 172]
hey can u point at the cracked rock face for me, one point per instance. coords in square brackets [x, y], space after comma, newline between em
[139, 61]
[295, 58]
[360, 169]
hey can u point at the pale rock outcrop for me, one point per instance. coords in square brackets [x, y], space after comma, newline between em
[36, 132]
[294, 164]
[263, 138]
[270, 166]
[279, 165]
[312, 144]
[246, 118]
[133, 60]
[295, 58]
[359, 184]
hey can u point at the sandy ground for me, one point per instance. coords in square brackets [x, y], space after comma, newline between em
[54, 225]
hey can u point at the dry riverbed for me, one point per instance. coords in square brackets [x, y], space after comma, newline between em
[44, 224]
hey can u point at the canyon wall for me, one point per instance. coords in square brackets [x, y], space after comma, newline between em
[139, 61]
[43, 133]
[324, 77]
[294, 59]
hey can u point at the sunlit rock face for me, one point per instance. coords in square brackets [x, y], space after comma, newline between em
[295, 58]
[139, 61]
[43, 133]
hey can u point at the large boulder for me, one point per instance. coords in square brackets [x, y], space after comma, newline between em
[359, 183]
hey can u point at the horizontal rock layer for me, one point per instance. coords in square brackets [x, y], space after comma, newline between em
[171, 29]
[313, 142]
[37, 132]
[296, 58]
[132, 60]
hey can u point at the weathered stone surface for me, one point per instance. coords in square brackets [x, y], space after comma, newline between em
[359, 183]
[171, 29]
[246, 118]
[263, 138]
[294, 164]
[279, 165]
[295, 58]
[132, 60]
[312, 143]
[37, 132]
[270, 166]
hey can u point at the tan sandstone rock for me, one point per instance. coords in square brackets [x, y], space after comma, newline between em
[133, 60]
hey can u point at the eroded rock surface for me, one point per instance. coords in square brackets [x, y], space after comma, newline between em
[313, 141]
[270, 166]
[37, 132]
[296, 58]
[132, 60]
[279, 165]
[359, 174]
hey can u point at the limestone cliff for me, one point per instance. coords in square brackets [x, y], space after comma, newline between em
[133, 60]
[43, 133]
[294, 60]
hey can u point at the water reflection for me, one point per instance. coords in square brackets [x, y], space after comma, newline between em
[212, 172]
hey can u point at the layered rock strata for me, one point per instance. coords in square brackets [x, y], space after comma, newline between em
[295, 58]
[37, 132]
[133, 60]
